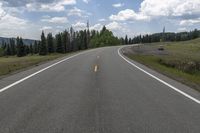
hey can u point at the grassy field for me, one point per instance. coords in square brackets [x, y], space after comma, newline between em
[12, 63]
[178, 60]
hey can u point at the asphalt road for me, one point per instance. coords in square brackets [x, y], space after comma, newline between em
[96, 92]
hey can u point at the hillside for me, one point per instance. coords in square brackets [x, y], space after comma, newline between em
[26, 41]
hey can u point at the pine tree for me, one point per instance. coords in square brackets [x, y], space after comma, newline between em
[129, 41]
[12, 47]
[65, 41]
[68, 42]
[20, 47]
[103, 30]
[23, 47]
[50, 43]
[122, 41]
[43, 47]
[27, 50]
[71, 39]
[195, 34]
[59, 44]
[85, 39]
[126, 39]
[7, 50]
[35, 47]
[31, 49]
[88, 37]
[81, 40]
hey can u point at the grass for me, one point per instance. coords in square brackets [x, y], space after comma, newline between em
[12, 63]
[181, 60]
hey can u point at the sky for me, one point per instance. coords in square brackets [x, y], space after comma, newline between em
[28, 18]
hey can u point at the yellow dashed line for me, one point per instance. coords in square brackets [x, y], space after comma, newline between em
[95, 68]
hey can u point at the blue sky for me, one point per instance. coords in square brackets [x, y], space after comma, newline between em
[27, 18]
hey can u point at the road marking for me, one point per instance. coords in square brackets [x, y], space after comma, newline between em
[46, 68]
[158, 79]
[95, 68]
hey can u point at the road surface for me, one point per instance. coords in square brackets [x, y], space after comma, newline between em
[95, 92]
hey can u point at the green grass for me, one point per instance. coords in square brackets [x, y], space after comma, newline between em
[12, 63]
[176, 63]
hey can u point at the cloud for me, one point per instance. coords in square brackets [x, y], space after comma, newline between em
[78, 12]
[114, 26]
[182, 29]
[86, 1]
[155, 8]
[8, 21]
[97, 26]
[36, 7]
[128, 14]
[2, 12]
[79, 26]
[11, 22]
[67, 2]
[11, 26]
[117, 5]
[102, 20]
[57, 20]
[19, 3]
[45, 28]
[55, 6]
[151, 9]
[190, 22]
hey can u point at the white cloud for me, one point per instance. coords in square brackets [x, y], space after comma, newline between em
[79, 26]
[2, 12]
[11, 26]
[114, 26]
[189, 22]
[86, 1]
[182, 29]
[57, 20]
[170, 7]
[37, 7]
[60, 27]
[45, 28]
[150, 9]
[11, 22]
[8, 21]
[97, 26]
[57, 6]
[102, 20]
[75, 12]
[67, 2]
[78, 12]
[117, 5]
[128, 14]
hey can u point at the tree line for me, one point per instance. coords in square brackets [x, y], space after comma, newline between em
[63, 42]
[162, 37]
[71, 40]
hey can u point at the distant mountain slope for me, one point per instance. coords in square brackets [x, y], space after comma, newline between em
[26, 41]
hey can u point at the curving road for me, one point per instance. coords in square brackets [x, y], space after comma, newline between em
[96, 91]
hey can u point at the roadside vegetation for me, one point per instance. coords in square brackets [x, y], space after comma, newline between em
[15, 55]
[12, 63]
[178, 60]
[63, 42]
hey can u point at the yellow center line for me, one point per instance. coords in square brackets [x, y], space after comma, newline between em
[95, 68]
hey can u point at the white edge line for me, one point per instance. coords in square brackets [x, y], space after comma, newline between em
[23, 79]
[165, 83]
